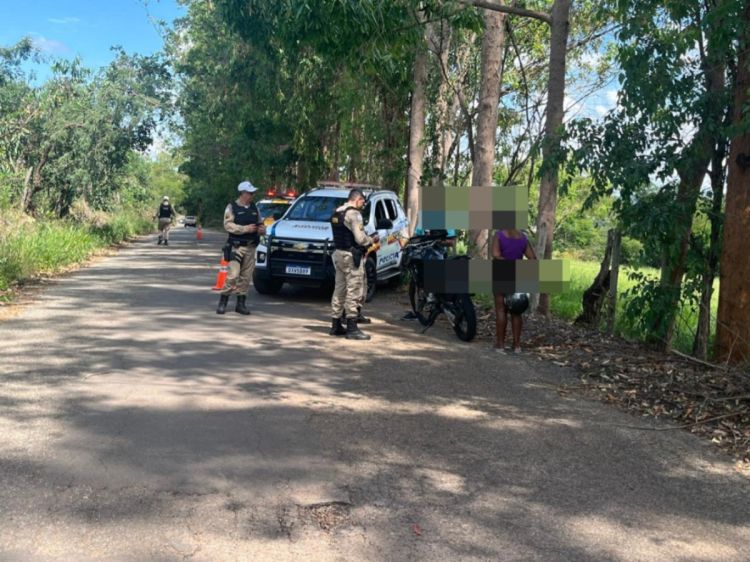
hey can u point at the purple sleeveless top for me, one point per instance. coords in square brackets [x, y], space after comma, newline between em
[512, 248]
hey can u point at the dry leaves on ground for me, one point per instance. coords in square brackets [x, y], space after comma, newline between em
[711, 402]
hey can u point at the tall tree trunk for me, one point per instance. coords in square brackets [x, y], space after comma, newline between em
[545, 222]
[392, 111]
[336, 151]
[733, 327]
[26, 188]
[692, 173]
[416, 135]
[718, 175]
[36, 181]
[445, 107]
[489, 97]
[355, 158]
[594, 297]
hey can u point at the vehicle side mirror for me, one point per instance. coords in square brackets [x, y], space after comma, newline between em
[384, 224]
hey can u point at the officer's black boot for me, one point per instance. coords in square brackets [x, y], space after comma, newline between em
[337, 328]
[241, 308]
[222, 308]
[353, 332]
[362, 319]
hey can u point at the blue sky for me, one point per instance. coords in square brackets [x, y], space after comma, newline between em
[86, 28]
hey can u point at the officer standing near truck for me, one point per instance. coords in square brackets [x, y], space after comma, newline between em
[350, 243]
[244, 224]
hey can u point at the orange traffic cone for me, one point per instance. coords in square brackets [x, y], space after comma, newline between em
[222, 276]
[199, 233]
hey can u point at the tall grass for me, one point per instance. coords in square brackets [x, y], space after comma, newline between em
[32, 248]
[568, 304]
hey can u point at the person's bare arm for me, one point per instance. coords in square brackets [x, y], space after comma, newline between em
[530, 253]
[497, 252]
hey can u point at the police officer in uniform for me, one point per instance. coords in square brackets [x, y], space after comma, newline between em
[165, 214]
[350, 243]
[244, 224]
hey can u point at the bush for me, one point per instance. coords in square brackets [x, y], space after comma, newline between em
[31, 248]
[121, 226]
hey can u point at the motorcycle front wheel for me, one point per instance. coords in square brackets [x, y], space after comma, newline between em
[464, 317]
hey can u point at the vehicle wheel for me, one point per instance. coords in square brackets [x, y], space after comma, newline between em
[418, 300]
[266, 286]
[466, 318]
[371, 274]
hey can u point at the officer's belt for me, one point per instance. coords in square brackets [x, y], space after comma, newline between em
[352, 249]
[242, 243]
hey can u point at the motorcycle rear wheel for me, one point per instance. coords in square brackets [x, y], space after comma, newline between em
[418, 300]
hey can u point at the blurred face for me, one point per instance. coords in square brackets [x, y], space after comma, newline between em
[246, 197]
[359, 202]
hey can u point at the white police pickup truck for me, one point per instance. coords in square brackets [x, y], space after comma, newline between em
[298, 247]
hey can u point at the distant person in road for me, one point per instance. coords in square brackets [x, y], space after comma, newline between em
[244, 224]
[350, 243]
[166, 215]
[509, 244]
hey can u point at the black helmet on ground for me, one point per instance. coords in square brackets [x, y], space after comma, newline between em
[517, 303]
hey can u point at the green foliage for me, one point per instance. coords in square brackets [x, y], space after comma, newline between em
[71, 156]
[74, 136]
[30, 248]
[289, 93]
[651, 154]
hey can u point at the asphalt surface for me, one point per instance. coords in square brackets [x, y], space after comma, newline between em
[136, 424]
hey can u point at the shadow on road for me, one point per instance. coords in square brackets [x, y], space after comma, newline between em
[160, 408]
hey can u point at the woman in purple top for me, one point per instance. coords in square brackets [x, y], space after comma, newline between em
[509, 245]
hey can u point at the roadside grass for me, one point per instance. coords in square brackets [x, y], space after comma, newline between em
[31, 248]
[567, 304]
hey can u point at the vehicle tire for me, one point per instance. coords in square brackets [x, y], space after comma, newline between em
[466, 318]
[266, 286]
[371, 275]
[417, 298]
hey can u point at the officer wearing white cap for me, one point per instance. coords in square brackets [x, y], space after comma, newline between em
[243, 223]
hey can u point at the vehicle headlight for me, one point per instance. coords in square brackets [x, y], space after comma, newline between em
[262, 240]
[261, 257]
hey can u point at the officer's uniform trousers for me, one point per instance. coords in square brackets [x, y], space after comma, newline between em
[348, 291]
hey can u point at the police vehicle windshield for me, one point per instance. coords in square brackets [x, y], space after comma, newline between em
[314, 208]
[269, 209]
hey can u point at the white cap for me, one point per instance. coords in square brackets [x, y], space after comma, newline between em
[247, 186]
[165, 198]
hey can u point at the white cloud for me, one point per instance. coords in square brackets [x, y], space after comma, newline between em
[591, 59]
[47, 45]
[612, 96]
[601, 110]
[572, 106]
[67, 20]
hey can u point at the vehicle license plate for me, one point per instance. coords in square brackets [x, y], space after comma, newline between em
[297, 270]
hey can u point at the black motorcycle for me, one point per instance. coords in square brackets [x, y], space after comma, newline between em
[426, 307]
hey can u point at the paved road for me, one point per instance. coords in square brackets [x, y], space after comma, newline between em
[136, 424]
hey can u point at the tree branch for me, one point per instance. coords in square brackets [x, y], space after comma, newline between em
[513, 10]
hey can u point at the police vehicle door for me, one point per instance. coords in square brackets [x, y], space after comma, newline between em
[389, 246]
